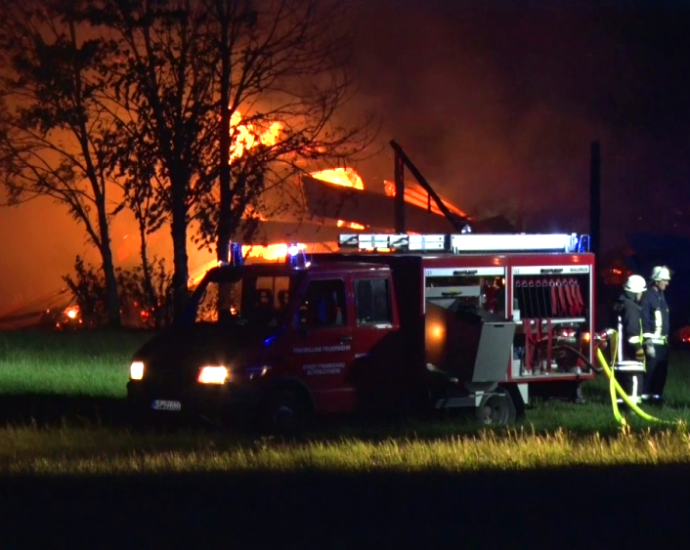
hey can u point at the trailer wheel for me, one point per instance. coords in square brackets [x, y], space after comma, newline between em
[497, 409]
[282, 413]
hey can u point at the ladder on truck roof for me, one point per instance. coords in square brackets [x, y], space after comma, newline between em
[468, 242]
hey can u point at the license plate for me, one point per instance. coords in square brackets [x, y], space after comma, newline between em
[164, 405]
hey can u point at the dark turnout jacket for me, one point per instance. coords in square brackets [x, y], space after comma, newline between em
[655, 316]
[629, 312]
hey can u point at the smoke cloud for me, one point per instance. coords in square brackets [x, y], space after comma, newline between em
[495, 103]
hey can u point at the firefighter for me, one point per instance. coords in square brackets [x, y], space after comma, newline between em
[655, 324]
[628, 312]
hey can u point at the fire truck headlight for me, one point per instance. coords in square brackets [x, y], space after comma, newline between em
[136, 370]
[213, 375]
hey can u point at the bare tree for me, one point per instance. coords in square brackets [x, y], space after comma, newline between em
[161, 96]
[135, 165]
[54, 133]
[234, 97]
[281, 65]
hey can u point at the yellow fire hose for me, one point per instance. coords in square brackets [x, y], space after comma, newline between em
[615, 388]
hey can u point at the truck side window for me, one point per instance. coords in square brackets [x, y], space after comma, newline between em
[373, 302]
[324, 304]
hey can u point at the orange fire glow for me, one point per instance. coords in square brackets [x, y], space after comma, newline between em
[245, 136]
[270, 253]
[351, 225]
[346, 177]
[417, 196]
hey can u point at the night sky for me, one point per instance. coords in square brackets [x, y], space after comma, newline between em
[490, 101]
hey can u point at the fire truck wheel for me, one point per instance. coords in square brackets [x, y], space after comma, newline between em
[282, 413]
[497, 409]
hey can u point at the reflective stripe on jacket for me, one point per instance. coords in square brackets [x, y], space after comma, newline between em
[655, 316]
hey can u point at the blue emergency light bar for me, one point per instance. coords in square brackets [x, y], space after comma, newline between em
[297, 257]
[468, 242]
[236, 258]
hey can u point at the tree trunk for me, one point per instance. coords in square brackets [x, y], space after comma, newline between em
[224, 9]
[224, 222]
[111, 291]
[112, 296]
[148, 282]
[179, 238]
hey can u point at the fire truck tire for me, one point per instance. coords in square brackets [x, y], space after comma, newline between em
[497, 409]
[282, 412]
[518, 401]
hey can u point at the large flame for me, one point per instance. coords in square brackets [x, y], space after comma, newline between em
[245, 136]
[347, 177]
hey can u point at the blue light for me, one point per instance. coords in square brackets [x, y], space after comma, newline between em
[268, 341]
[236, 254]
[584, 244]
[293, 250]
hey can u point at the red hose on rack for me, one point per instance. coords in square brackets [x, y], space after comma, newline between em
[569, 299]
[563, 308]
[577, 293]
[554, 298]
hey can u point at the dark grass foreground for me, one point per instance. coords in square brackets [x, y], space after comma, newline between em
[624, 507]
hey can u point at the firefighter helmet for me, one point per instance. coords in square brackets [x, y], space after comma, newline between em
[661, 273]
[635, 284]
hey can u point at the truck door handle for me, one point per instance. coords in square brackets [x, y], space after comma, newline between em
[344, 339]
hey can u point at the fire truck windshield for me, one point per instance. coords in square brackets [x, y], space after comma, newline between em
[257, 299]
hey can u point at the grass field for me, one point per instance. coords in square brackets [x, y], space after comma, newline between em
[96, 365]
[70, 363]
[566, 477]
[91, 370]
[79, 378]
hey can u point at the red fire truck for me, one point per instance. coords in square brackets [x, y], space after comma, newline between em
[390, 322]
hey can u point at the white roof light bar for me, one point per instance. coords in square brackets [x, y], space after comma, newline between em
[371, 241]
[395, 242]
[427, 242]
[509, 242]
[467, 242]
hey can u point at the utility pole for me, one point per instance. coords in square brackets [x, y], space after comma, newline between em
[595, 198]
[399, 199]
[595, 233]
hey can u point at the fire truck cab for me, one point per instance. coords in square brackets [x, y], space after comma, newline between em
[391, 322]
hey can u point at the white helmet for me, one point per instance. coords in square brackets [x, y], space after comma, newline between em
[661, 273]
[635, 284]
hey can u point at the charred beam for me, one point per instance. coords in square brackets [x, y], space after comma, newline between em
[401, 157]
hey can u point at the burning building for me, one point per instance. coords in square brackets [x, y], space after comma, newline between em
[336, 200]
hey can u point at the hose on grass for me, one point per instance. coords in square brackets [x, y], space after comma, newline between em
[615, 388]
